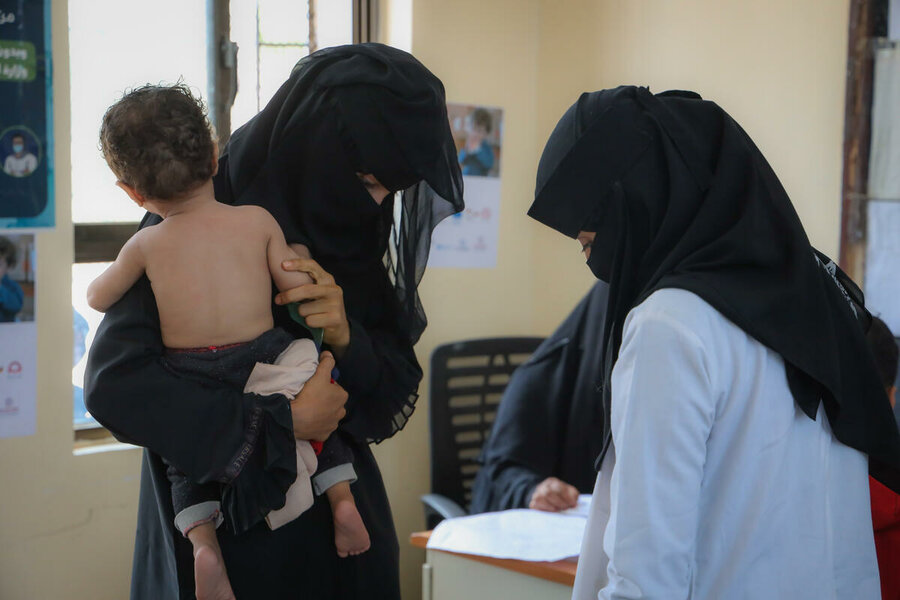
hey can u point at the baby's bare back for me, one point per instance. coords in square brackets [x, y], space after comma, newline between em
[210, 275]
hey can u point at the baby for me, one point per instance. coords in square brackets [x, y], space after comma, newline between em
[211, 267]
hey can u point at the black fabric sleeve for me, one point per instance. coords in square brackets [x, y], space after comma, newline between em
[205, 429]
[502, 486]
[381, 375]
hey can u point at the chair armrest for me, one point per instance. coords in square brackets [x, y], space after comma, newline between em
[441, 507]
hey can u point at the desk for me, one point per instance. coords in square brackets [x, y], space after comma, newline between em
[452, 576]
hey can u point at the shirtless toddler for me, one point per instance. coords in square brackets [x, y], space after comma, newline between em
[211, 268]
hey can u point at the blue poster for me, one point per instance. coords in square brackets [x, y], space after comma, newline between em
[26, 115]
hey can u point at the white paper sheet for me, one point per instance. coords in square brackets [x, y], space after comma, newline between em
[882, 283]
[884, 152]
[18, 342]
[882, 276]
[521, 534]
[894, 20]
[468, 240]
[582, 509]
[18, 379]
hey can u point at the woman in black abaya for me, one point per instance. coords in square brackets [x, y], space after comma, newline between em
[348, 121]
[544, 441]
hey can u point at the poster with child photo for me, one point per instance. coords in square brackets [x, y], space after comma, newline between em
[469, 239]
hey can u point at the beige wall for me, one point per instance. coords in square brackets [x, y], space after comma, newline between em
[777, 67]
[485, 53]
[67, 523]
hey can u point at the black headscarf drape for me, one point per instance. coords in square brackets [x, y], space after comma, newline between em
[364, 108]
[680, 197]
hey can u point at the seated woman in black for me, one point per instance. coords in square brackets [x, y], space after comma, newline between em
[544, 441]
[347, 121]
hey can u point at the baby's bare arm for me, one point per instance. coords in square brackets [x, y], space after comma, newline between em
[118, 278]
[279, 251]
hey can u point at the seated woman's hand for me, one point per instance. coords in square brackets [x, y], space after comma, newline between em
[319, 407]
[321, 303]
[553, 495]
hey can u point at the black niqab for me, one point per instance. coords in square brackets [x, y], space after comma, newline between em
[680, 197]
[364, 108]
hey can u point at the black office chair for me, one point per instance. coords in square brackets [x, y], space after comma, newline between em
[467, 381]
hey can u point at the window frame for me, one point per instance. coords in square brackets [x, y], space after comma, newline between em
[868, 23]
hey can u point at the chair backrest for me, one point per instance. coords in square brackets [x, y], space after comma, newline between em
[467, 381]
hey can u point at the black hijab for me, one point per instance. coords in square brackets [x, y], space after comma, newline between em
[363, 108]
[680, 197]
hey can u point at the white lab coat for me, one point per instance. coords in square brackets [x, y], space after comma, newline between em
[718, 486]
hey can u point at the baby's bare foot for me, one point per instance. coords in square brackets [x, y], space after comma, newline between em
[350, 534]
[210, 578]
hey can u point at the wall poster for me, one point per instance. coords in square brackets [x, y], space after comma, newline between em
[26, 115]
[469, 239]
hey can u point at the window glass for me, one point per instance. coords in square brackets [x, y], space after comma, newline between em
[84, 323]
[115, 46]
[275, 65]
[283, 22]
[334, 23]
[272, 35]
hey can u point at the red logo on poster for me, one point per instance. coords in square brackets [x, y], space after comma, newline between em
[15, 367]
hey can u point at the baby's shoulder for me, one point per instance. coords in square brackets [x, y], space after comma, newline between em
[249, 210]
[250, 214]
[146, 236]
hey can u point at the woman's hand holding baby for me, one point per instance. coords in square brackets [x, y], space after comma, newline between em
[322, 303]
[319, 407]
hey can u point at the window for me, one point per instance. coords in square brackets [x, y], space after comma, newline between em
[212, 46]
[109, 54]
[271, 36]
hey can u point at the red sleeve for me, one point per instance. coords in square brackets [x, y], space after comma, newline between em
[885, 506]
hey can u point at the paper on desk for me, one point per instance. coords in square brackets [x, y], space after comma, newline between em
[522, 534]
[582, 509]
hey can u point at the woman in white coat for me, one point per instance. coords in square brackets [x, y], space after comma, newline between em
[742, 403]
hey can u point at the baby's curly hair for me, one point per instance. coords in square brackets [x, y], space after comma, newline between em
[158, 140]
